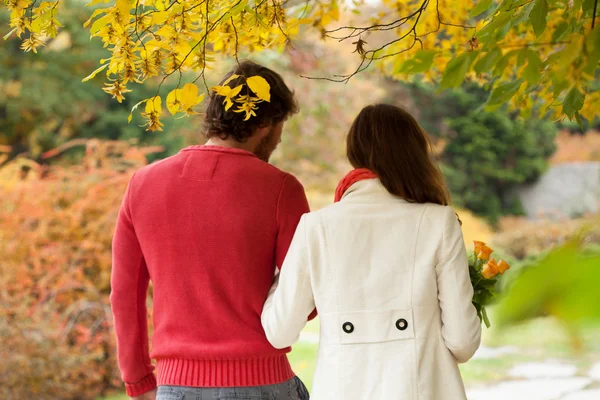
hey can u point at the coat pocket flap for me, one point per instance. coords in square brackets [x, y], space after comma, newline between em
[372, 326]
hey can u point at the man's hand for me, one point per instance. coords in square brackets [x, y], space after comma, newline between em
[151, 395]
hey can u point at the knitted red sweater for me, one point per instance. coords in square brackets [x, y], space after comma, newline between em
[207, 226]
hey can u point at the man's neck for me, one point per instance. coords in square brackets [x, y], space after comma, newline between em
[231, 143]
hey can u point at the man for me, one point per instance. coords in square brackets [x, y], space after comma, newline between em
[208, 226]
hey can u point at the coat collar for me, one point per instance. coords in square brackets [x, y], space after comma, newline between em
[367, 191]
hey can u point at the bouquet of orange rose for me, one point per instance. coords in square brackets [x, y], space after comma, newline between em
[484, 277]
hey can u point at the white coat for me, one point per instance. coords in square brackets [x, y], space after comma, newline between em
[390, 281]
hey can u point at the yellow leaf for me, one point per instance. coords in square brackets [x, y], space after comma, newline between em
[99, 24]
[154, 105]
[160, 17]
[9, 33]
[160, 5]
[232, 77]
[94, 2]
[133, 109]
[228, 93]
[123, 6]
[260, 87]
[94, 15]
[173, 101]
[235, 90]
[189, 94]
[93, 74]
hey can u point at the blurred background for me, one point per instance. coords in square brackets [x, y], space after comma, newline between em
[526, 187]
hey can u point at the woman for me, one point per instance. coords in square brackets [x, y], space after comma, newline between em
[386, 268]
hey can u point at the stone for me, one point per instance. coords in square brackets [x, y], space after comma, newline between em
[565, 190]
[592, 394]
[494, 352]
[532, 389]
[543, 370]
[594, 372]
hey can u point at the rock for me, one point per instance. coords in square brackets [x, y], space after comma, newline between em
[593, 394]
[543, 370]
[534, 389]
[566, 190]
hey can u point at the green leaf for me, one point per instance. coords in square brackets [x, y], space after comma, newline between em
[486, 320]
[571, 52]
[573, 102]
[560, 31]
[93, 74]
[503, 63]
[496, 24]
[523, 15]
[559, 85]
[578, 119]
[489, 60]
[538, 16]
[502, 94]
[505, 5]
[419, 63]
[532, 71]
[588, 5]
[592, 46]
[481, 6]
[457, 69]
[592, 42]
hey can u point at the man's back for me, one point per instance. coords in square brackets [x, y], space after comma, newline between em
[208, 227]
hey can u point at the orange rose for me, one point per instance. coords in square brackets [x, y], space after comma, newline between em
[478, 245]
[502, 267]
[490, 269]
[484, 253]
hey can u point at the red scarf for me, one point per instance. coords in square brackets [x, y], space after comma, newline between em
[353, 176]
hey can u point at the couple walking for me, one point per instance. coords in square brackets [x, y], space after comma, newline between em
[385, 267]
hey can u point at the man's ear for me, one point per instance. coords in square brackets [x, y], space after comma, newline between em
[262, 131]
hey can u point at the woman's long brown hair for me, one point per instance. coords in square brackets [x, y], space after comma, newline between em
[388, 140]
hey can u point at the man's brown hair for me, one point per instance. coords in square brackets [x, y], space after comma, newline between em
[224, 124]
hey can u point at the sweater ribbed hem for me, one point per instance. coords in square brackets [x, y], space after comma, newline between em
[141, 387]
[224, 373]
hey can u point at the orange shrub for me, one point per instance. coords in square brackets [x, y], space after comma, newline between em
[56, 226]
[521, 238]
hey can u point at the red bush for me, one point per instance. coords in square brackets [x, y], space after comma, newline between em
[56, 226]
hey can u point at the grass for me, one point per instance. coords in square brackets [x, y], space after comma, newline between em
[539, 340]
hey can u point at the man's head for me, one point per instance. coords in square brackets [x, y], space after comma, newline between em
[263, 131]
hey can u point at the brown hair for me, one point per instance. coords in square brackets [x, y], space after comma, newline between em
[388, 141]
[225, 124]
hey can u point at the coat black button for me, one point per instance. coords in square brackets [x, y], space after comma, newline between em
[348, 327]
[401, 324]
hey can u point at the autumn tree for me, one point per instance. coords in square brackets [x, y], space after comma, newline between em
[529, 51]
[43, 105]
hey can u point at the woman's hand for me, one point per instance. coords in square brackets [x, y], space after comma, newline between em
[151, 395]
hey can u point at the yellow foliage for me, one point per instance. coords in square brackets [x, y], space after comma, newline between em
[521, 47]
[56, 226]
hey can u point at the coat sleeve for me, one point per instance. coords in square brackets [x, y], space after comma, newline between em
[461, 327]
[290, 299]
[129, 287]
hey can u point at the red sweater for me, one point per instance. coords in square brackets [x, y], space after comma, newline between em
[208, 226]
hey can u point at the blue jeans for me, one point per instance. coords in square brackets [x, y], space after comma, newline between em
[293, 389]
